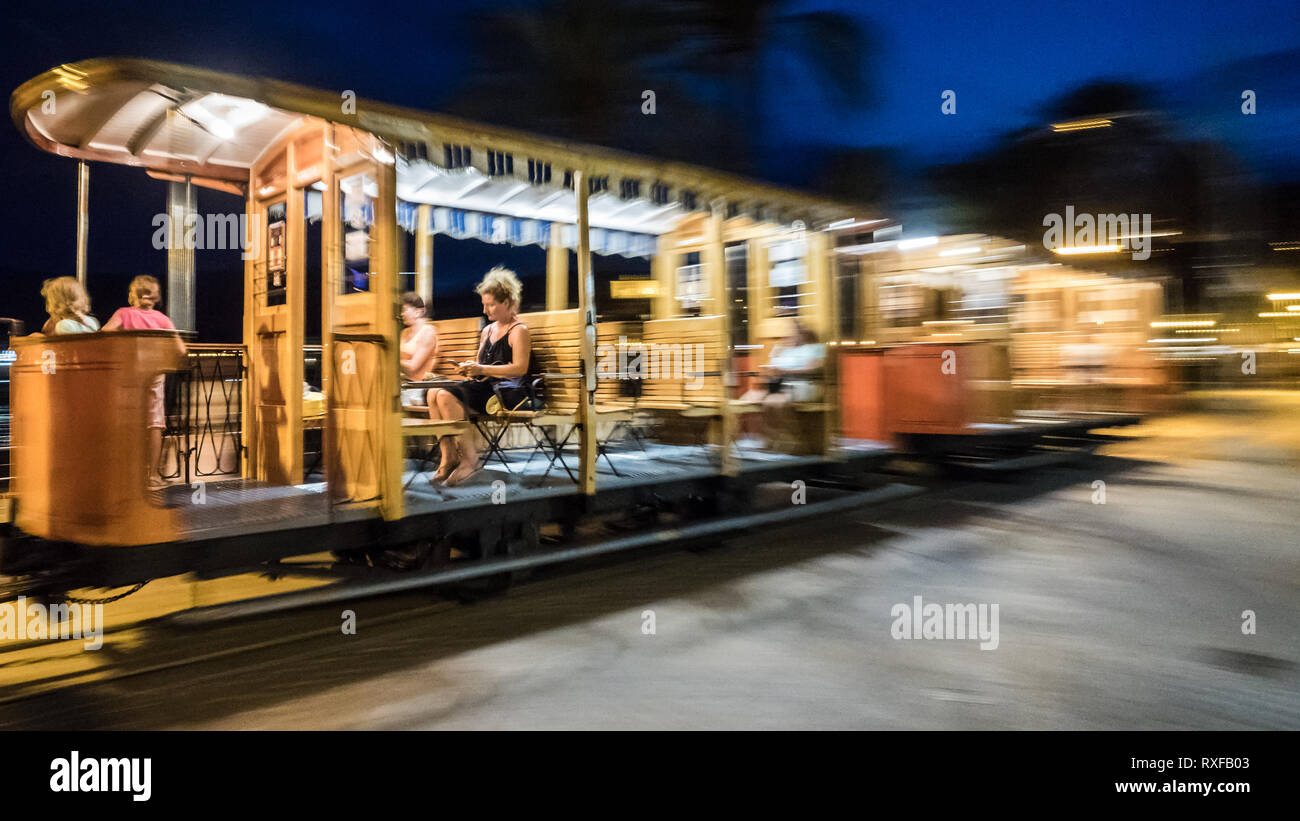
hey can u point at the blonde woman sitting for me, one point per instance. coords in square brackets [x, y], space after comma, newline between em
[505, 365]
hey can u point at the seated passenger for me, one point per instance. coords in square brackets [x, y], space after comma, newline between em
[505, 362]
[792, 366]
[419, 345]
[789, 376]
[141, 315]
[68, 305]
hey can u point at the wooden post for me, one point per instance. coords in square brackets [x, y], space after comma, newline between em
[587, 314]
[252, 254]
[823, 285]
[758, 307]
[557, 271]
[424, 255]
[715, 268]
[290, 360]
[820, 244]
[664, 270]
[385, 305]
[331, 264]
[83, 218]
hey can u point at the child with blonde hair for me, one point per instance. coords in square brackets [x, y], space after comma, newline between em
[143, 294]
[68, 305]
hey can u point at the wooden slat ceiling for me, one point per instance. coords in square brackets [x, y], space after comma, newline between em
[184, 120]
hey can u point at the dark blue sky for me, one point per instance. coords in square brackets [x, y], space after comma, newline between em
[1004, 60]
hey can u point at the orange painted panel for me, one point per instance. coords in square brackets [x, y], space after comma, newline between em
[862, 411]
[945, 388]
[80, 409]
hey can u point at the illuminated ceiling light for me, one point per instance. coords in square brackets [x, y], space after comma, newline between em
[948, 322]
[1187, 339]
[1283, 297]
[958, 252]
[222, 115]
[851, 223]
[1080, 125]
[1275, 314]
[1068, 250]
[919, 242]
[1184, 323]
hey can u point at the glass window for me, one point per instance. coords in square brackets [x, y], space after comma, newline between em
[357, 195]
[737, 255]
[277, 271]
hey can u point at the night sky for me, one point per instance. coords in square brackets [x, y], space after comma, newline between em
[1004, 60]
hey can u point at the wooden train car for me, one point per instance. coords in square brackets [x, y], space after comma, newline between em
[660, 415]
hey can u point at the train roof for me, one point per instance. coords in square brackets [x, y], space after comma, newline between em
[174, 119]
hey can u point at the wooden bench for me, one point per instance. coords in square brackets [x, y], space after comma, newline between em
[684, 362]
[557, 351]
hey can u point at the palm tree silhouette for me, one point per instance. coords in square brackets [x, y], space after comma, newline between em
[578, 69]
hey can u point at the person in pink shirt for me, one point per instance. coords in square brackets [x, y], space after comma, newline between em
[143, 295]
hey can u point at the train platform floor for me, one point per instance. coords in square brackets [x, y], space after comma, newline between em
[225, 507]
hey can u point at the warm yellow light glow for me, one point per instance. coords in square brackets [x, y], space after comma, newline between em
[1187, 339]
[948, 322]
[1070, 250]
[1183, 323]
[1283, 297]
[1080, 125]
[1275, 314]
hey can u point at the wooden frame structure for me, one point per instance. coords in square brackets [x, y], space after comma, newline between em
[276, 142]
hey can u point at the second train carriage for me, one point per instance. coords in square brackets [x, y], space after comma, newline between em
[732, 265]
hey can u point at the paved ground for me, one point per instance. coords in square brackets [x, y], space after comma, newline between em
[1120, 615]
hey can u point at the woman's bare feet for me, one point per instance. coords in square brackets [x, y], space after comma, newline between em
[462, 472]
[442, 473]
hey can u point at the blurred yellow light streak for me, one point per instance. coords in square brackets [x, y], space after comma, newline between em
[1068, 250]
[1080, 125]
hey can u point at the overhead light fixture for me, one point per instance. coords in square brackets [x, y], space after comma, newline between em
[222, 115]
[919, 242]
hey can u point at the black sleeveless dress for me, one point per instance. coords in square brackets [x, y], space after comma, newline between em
[475, 393]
